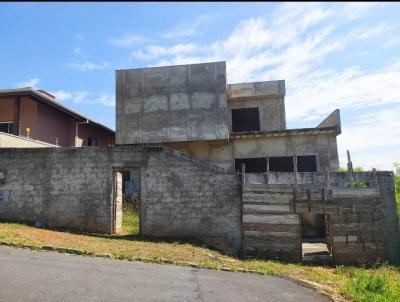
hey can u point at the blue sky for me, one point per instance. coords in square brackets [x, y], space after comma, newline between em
[332, 55]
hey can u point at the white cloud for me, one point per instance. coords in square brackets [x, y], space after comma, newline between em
[355, 10]
[320, 92]
[152, 52]
[77, 50]
[85, 97]
[89, 66]
[106, 99]
[129, 41]
[364, 34]
[187, 29]
[62, 95]
[392, 42]
[78, 37]
[380, 128]
[378, 131]
[296, 43]
[29, 83]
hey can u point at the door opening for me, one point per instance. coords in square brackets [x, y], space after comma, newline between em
[127, 201]
[315, 239]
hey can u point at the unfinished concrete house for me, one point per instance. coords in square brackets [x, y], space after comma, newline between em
[211, 161]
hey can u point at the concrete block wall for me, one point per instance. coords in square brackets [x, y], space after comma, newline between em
[185, 202]
[59, 187]
[182, 197]
[363, 222]
[357, 227]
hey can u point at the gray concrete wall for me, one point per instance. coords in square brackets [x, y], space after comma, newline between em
[182, 197]
[323, 145]
[332, 120]
[268, 96]
[174, 103]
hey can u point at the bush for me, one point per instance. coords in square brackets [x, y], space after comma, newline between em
[372, 285]
[357, 184]
[356, 169]
[130, 220]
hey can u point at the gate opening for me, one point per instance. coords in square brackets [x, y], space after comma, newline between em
[315, 238]
[127, 201]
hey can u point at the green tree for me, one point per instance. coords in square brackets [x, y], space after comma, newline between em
[356, 169]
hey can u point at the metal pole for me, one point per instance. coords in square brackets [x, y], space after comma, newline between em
[295, 168]
[350, 168]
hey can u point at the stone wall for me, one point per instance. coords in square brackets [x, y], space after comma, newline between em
[182, 197]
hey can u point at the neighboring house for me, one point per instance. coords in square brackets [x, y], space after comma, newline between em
[36, 114]
[191, 108]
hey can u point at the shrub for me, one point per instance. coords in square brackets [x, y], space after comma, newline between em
[357, 184]
[130, 220]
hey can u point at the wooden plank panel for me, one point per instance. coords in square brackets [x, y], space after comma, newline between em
[267, 227]
[266, 208]
[271, 234]
[273, 219]
[267, 198]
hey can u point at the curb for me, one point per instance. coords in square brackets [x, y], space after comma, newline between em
[72, 251]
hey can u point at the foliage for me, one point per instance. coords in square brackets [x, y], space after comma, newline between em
[357, 184]
[381, 284]
[356, 169]
[130, 221]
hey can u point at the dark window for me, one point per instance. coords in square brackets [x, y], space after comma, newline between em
[6, 127]
[252, 165]
[306, 163]
[91, 141]
[281, 164]
[245, 119]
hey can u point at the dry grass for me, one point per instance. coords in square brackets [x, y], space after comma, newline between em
[354, 283]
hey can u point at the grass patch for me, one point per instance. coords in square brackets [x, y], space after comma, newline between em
[381, 284]
[130, 221]
[358, 284]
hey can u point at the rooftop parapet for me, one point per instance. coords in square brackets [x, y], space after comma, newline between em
[256, 89]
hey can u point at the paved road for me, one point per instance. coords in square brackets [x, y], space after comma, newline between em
[48, 276]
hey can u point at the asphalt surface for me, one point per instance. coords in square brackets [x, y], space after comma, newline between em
[48, 276]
